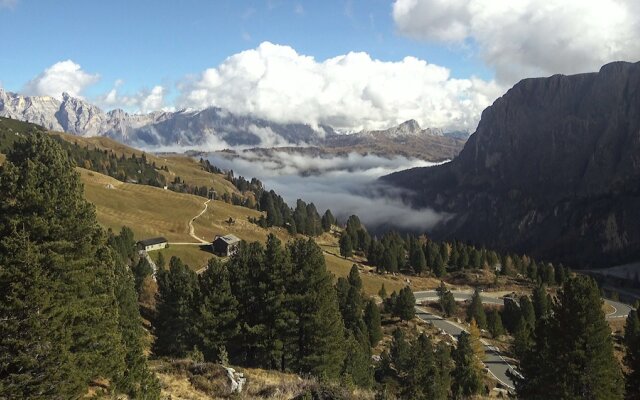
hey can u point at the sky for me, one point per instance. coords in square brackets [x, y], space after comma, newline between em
[350, 64]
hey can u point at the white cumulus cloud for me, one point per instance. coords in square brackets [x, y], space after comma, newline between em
[351, 92]
[526, 38]
[144, 101]
[63, 76]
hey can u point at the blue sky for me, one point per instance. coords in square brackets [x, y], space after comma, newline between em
[352, 64]
[149, 42]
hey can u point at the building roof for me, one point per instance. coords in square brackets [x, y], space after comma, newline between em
[229, 239]
[152, 241]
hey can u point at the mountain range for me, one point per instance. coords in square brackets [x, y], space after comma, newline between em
[553, 170]
[218, 128]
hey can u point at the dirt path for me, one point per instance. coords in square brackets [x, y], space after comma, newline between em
[192, 230]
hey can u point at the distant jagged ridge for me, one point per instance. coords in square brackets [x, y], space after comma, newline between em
[215, 125]
[552, 170]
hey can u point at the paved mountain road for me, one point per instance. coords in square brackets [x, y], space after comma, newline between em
[495, 363]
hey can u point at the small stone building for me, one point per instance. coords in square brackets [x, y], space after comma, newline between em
[226, 245]
[153, 244]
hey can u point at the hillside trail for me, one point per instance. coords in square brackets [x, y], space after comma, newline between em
[191, 228]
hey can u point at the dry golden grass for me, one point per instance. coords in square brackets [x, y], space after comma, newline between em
[187, 168]
[147, 210]
[196, 257]
[2, 158]
[179, 380]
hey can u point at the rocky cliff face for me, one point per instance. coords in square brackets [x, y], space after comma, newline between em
[552, 170]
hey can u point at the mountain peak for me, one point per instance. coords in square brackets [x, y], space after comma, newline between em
[409, 126]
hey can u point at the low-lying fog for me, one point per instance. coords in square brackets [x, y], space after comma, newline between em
[345, 184]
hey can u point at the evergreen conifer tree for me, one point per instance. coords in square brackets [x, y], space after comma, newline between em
[476, 311]
[216, 323]
[357, 363]
[400, 353]
[494, 322]
[421, 377]
[632, 356]
[405, 304]
[417, 259]
[373, 322]
[382, 292]
[467, 374]
[541, 305]
[346, 247]
[178, 295]
[444, 367]
[137, 380]
[60, 316]
[527, 311]
[573, 352]
[318, 344]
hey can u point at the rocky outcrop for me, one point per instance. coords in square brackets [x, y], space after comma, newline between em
[553, 170]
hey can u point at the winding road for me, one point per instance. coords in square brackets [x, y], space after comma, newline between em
[495, 363]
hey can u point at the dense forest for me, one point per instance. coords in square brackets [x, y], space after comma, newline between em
[68, 308]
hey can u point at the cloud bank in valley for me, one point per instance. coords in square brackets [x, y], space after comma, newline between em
[528, 38]
[345, 184]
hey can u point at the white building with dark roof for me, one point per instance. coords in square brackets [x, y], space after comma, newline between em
[153, 244]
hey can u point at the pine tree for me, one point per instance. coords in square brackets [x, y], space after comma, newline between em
[527, 311]
[137, 380]
[446, 300]
[373, 322]
[421, 377]
[632, 356]
[467, 374]
[346, 247]
[176, 310]
[357, 363]
[573, 352]
[382, 292]
[400, 353]
[271, 288]
[494, 322]
[523, 338]
[444, 368]
[417, 259]
[216, 323]
[511, 315]
[69, 334]
[327, 220]
[389, 260]
[405, 305]
[141, 271]
[541, 305]
[318, 344]
[476, 311]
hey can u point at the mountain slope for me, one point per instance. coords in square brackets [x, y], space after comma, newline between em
[215, 128]
[553, 169]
